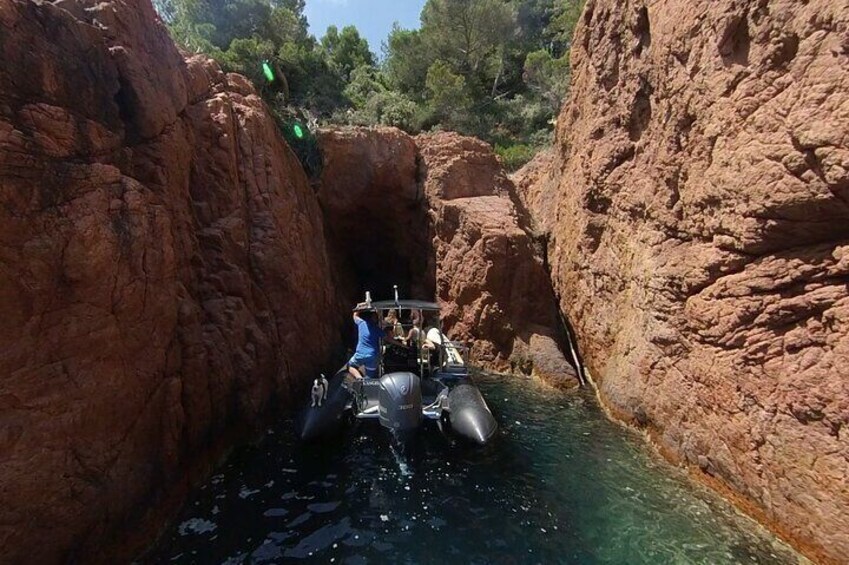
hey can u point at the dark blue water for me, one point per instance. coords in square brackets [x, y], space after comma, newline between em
[561, 484]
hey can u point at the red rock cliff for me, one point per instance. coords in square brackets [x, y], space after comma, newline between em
[163, 272]
[697, 207]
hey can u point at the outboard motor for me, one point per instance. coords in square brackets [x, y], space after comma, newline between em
[400, 403]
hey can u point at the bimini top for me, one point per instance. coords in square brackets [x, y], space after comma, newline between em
[405, 304]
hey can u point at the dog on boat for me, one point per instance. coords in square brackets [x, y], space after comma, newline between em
[319, 391]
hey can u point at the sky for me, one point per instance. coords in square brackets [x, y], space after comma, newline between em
[373, 18]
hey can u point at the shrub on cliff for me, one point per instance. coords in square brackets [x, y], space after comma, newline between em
[513, 157]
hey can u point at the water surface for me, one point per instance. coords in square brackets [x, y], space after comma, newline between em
[561, 484]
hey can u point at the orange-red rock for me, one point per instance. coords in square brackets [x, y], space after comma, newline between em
[163, 272]
[490, 277]
[697, 210]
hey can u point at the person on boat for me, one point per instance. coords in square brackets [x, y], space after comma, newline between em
[391, 321]
[369, 337]
[415, 333]
[432, 341]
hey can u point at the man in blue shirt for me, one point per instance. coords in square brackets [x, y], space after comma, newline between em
[369, 337]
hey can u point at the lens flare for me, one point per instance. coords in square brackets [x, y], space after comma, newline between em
[267, 71]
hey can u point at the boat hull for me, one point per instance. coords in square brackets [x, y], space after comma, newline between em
[465, 409]
[469, 415]
[327, 419]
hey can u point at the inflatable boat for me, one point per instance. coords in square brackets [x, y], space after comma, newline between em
[423, 377]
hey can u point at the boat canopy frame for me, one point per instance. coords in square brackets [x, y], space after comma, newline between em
[404, 305]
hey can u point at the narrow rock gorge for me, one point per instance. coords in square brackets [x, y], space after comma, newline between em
[696, 209]
[436, 215]
[169, 276]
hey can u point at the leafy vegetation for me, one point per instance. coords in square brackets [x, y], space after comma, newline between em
[496, 69]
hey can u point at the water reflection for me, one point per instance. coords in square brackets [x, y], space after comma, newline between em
[560, 484]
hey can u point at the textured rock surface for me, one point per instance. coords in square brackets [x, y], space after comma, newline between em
[163, 272]
[490, 277]
[537, 190]
[436, 213]
[697, 210]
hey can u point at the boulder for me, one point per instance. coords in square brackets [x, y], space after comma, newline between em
[375, 211]
[490, 278]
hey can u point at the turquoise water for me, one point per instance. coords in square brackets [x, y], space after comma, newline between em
[561, 484]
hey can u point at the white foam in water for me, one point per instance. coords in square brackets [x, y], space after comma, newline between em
[247, 493]
[403, 466]
[196, 526]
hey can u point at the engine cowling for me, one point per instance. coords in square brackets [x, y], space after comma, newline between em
[400, 402]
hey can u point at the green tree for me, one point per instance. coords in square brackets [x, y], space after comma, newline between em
[406, 61]
[347, 49]
[165, 9]
[374, 103]
[498, 69]
[365, 81]
[244, 53]
[563, 22]
[470, 35]
[243, 34]
[533, 17]
[387, 108]
[313, 81]
[446, 95]
[547, 76]
[296, 7]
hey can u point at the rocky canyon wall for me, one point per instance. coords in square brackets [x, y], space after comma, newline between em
[437, 212]
[697, 213]
[163, 272]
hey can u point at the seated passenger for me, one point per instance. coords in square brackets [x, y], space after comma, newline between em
[415, 333]
[365, 359]
[391, 320]
[433, 338]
